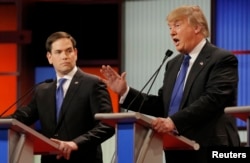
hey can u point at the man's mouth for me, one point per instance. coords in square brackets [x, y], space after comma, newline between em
[65, 63]
[176, 41]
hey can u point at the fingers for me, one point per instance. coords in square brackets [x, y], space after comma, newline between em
[113, 80]
[109, 73]
[65, 152]
[156, 124]
[105, 71]
[123, 75]
[162, 125]
[55, 140]
[59, 156]
[64, 148]
[112, 71]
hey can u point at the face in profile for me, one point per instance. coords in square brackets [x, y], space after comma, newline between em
[183, 34]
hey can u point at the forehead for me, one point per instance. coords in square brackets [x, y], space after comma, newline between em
[62, 43]
[176, 21]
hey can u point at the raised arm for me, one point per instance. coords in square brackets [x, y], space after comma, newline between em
[113, 80]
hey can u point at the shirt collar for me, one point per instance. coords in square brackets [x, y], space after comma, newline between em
[69, 75]
[195, 52]
[197, 49]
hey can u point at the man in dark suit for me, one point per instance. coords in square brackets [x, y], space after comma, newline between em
[75, 129]
[210, 85]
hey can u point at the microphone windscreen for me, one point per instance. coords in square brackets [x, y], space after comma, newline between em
[168, 53]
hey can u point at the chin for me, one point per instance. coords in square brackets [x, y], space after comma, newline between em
[179, 49]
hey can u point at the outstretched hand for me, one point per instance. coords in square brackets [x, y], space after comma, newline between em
[113, 80]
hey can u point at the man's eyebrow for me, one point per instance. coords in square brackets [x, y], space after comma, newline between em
[57, 50]
[69, 48]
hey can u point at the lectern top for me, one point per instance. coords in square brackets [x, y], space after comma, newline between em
[170, 141]
[242, 112]
[41, 144]
[113, 118]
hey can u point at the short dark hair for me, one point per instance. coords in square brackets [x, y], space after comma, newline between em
[58, 35]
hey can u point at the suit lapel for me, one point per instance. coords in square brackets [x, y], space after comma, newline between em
[71, 92]
[172, 68]
[50, 110]
[175, 68]
[198, 65]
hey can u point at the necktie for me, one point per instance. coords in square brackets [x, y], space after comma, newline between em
[178, 87]
[59, 96]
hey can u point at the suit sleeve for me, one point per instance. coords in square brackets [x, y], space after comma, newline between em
[100, 102]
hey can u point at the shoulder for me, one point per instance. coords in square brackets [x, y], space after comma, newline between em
[87, 79]
[86, 76]
[213, 49]
[217, 54]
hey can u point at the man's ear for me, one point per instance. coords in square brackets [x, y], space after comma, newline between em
[76, 53]
[48, 55]
[197, 29]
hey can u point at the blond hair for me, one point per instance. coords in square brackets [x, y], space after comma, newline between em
[194, 15]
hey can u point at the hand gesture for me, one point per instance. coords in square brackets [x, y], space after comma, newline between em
[114, 81]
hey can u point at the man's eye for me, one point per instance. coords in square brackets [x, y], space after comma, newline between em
[69, 51]
[178, 25]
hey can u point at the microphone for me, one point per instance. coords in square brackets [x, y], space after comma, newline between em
[168, 53]
[25, 95]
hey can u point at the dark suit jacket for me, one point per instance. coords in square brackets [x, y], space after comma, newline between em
[85, 97]
[210, 87]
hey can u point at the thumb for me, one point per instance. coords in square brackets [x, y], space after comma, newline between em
[55, 140]
[123, 75]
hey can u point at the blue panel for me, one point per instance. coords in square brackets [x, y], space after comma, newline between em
[232, 33]
[4, 148]
[244, 76]
[125, 143]
[41, 74]
[233, 24]
[244, 88]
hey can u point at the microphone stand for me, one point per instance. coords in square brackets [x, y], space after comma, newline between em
[25, 95]
[167, 54]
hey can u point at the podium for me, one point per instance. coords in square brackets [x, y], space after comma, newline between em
[243, 113]
[18, 142]
[136, 142]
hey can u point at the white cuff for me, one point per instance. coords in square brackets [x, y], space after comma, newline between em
[123, 97]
